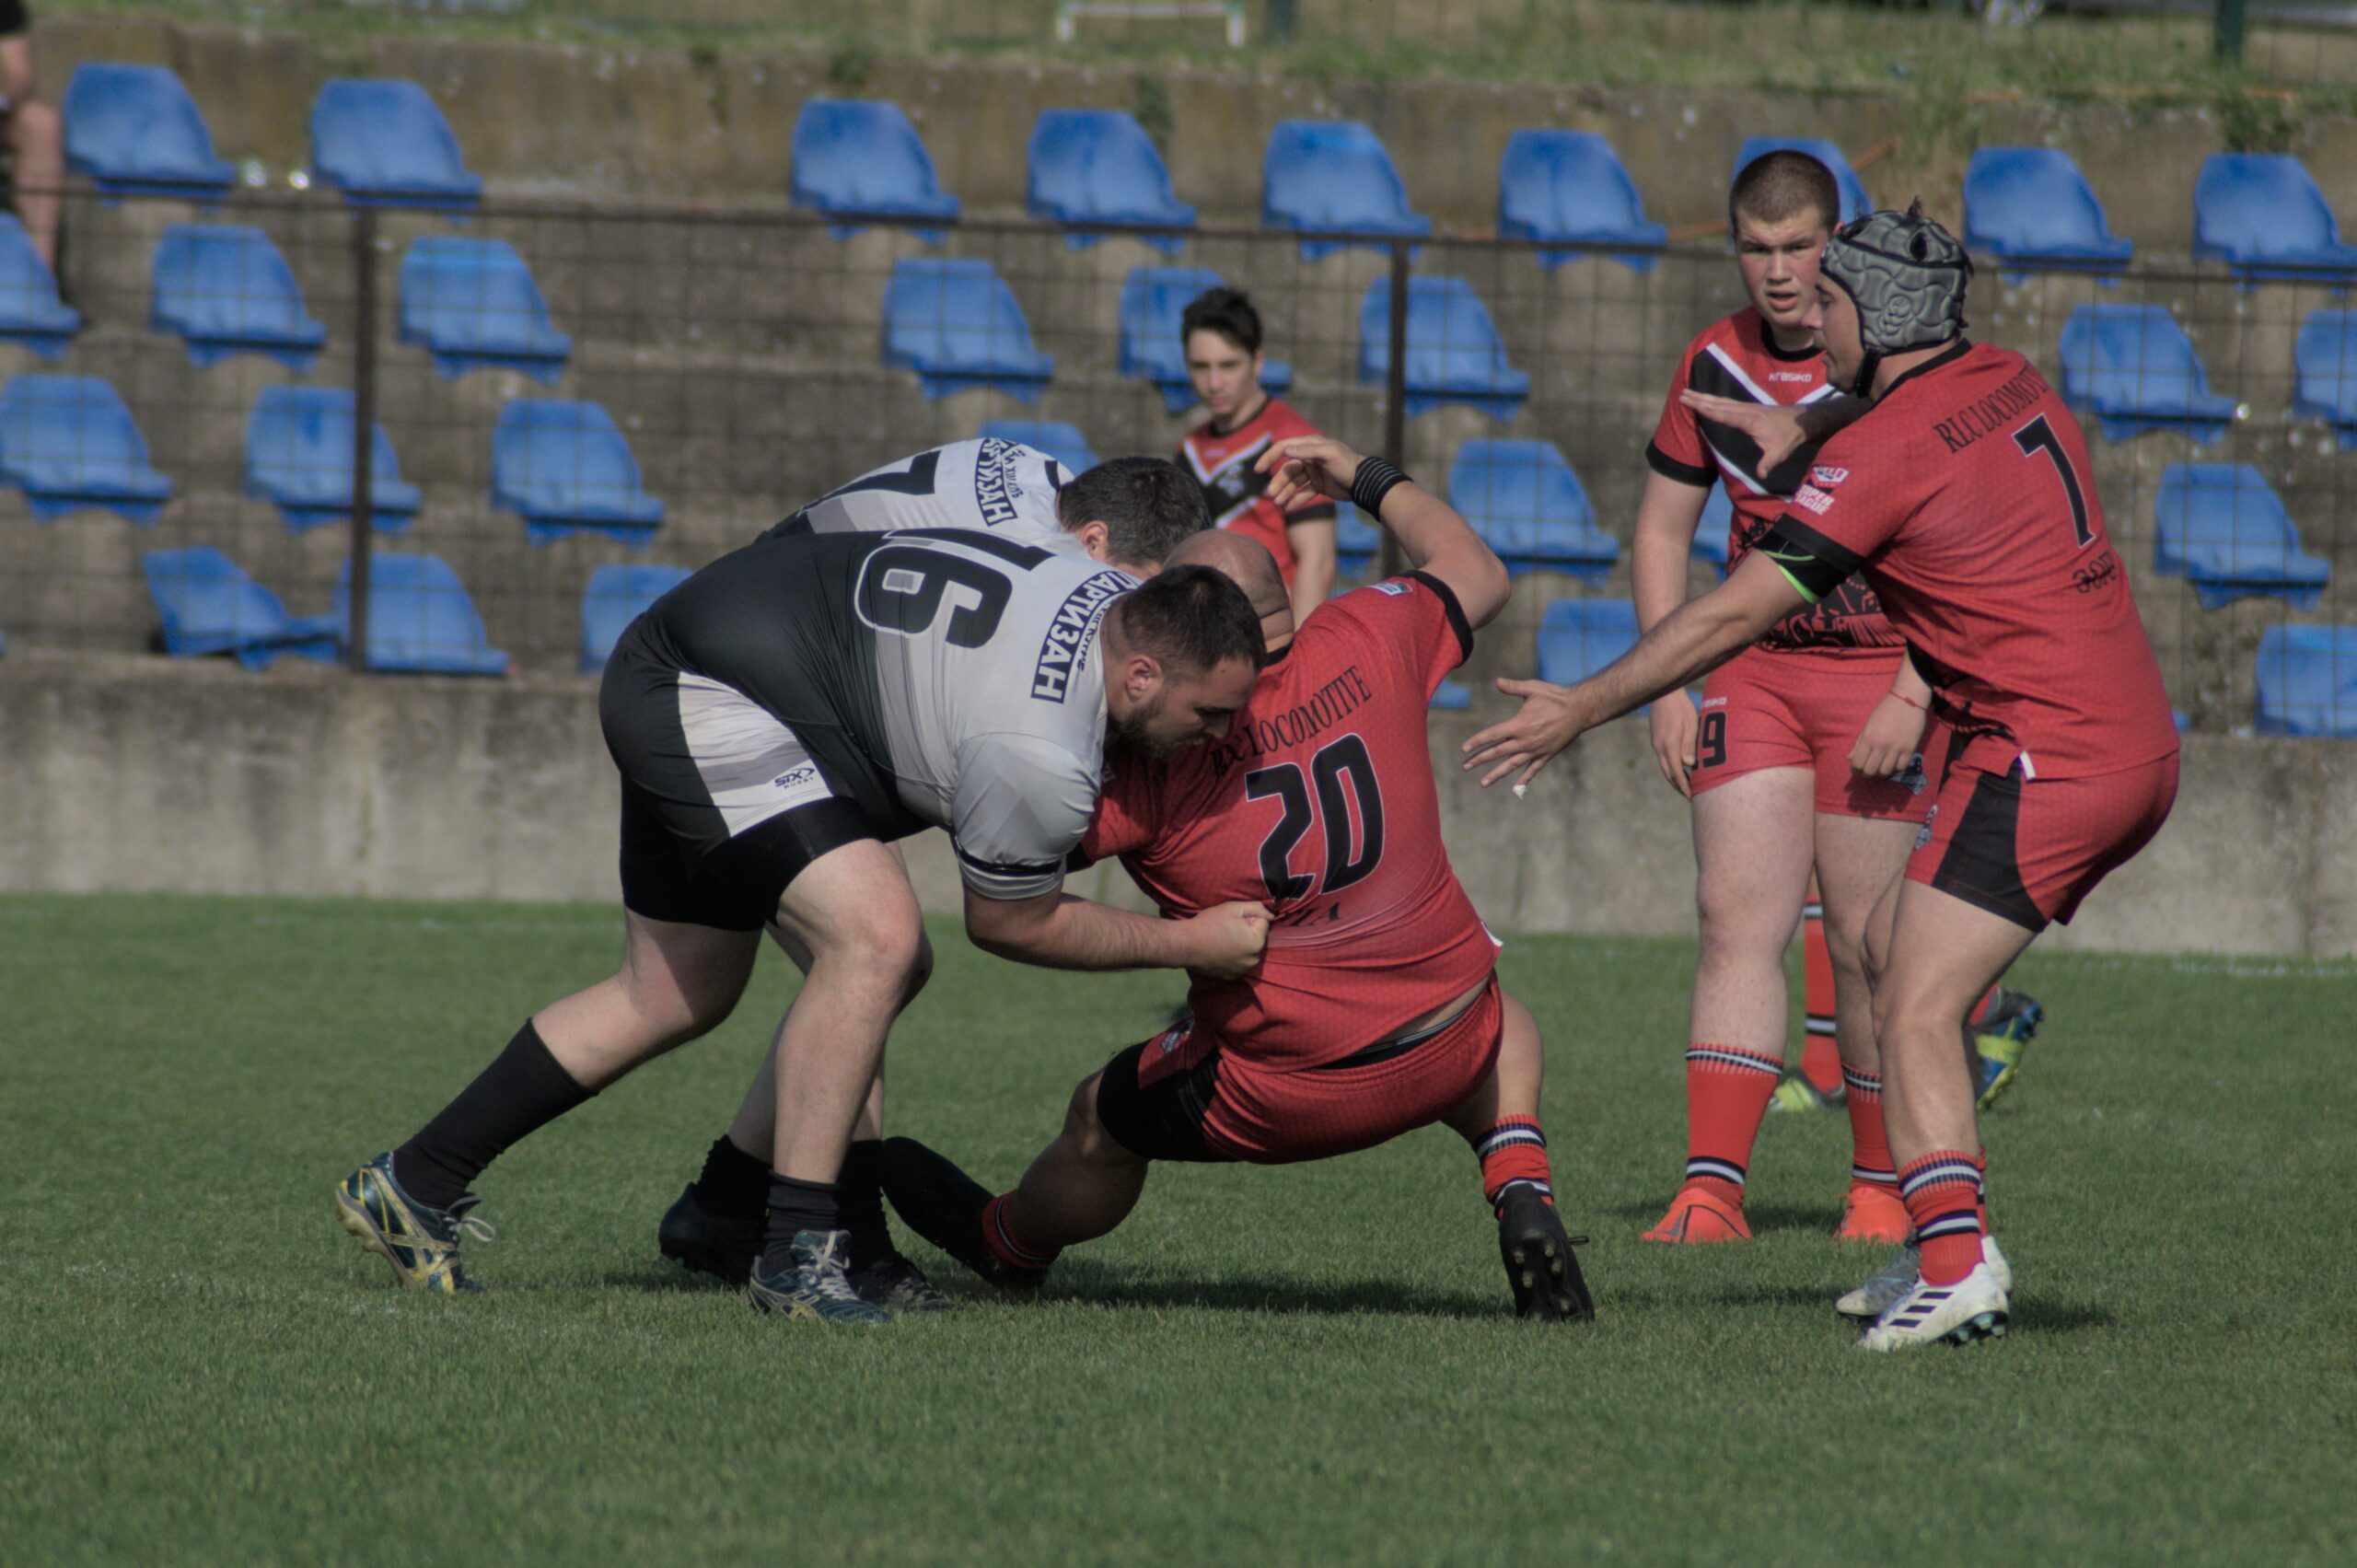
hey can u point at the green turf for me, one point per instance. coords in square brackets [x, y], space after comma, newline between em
[1264, 1366]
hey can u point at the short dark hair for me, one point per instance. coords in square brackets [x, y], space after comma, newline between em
[1227, 311]
[1191, 619]
[1782, 184]
[1147, 506]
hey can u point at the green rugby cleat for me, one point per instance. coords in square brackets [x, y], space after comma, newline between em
[1795, 1092]
[421, 1243]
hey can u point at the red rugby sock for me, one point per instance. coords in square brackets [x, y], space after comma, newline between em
[1942, 1194]
[1869, 1143]
[1513, 1152]
[1821, 1061]
[1727, 1094]
[1007, 1247]
[1981, 1008]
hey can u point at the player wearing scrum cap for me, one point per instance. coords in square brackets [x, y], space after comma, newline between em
[1966, 496]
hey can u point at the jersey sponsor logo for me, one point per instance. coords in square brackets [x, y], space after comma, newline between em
[1816, 500]
[2096, 574]
[1827, 477]
[1395, 590]
[1063, 652]
[1968, 424]
[1790, 376]
[793, 778]
[995, 489]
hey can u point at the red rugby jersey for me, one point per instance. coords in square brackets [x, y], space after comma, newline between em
[1967, 497]
[1738, 358]
[1321, 804]
[1238, 495]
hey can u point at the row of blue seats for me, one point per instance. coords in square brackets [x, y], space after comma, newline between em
[421, 618]
[135, 129]
[70, 441]
[475, 303]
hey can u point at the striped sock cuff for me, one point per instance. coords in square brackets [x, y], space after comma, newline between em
[1818, 1023]
[1001, 1240]
[1812, 910]
[1939, 1168]
[1859, 1082]
[1703, 1167]
[1509, 1132]
[1882, 1176]
[1544, 1189]
[1732, 1058]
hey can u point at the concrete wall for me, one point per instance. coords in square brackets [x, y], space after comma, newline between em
[669, 123]
[130, 773]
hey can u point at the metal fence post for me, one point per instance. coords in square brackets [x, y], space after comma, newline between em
[1394, 388]
[2229, 31]
[364, 425]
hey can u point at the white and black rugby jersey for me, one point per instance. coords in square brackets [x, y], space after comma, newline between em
[1001, 487]
[948, 676]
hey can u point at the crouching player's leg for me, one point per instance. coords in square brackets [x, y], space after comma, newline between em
[1499, 1119]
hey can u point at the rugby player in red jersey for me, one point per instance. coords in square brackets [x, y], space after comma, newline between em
[1966, 496]
[1221, 335]
[1790, 761]
[1376, 1008]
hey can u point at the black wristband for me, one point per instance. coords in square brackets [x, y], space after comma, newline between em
[1371, 484]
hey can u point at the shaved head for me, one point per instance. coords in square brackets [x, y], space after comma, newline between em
[1246, 562]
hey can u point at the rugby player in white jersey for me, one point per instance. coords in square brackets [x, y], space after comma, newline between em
[778, 719]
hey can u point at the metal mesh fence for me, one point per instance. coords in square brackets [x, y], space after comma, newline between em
[746, 363]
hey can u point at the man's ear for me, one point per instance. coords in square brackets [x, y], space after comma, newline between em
[1141, 677]
[1096, 541]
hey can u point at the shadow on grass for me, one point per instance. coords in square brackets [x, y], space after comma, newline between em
[1268, 1292]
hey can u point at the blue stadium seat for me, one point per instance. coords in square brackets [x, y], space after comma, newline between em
[1357, 543]
[69, 441]
[472, 304]
[2032, 205]
[227, 290]
[2307, 680]
[856, 159]
[2262, 215]
[135, 132]
[30, 312]
[1154, 301]
[2221, 526]
[619, 591]
[2134, 367]
[565, 466]
[386, 143]
[420, 619]
[209, 606]
[957, 326]
[1452, 697]
[1061, 441]
[2326, 353]
[1571, 185]
[1525, 500]
[1333, 176]
[1097, 166]
[1579, 637]
[1711, 533]
[1855, 202]
[1453, 351]
[298, 456]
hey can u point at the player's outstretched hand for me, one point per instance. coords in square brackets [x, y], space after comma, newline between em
[1892, 738]
[1230, 937]
[1302, 466]
[1549, 721]
[1776, 428]
[1674, 726]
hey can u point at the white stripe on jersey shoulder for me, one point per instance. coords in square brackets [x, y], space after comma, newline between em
[1727, 364]
[1229, 461]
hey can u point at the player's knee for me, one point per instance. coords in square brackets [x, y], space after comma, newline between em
[886, 940]
[1085, 1133]
[920, 971]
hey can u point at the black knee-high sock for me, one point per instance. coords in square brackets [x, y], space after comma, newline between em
[522, 1091]
[859, 1192]
[734, 1184]
[794, 1207]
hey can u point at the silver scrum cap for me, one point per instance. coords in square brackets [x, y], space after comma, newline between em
[1907, 275]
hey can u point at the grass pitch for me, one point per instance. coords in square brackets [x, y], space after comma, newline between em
[1304, 1365]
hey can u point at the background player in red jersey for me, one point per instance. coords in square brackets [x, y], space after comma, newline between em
[1967, 497]
[1376, 1008]
[1221, 332]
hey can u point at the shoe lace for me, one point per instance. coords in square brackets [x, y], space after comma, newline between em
[823, 1270]
[465, 1222]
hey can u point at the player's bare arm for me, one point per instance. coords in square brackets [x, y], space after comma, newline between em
[1692, 640]
[1057, 930]
[1893, 736]
[1779, 429]
[1312, 541]
[1667, 515]
[1431, 534]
